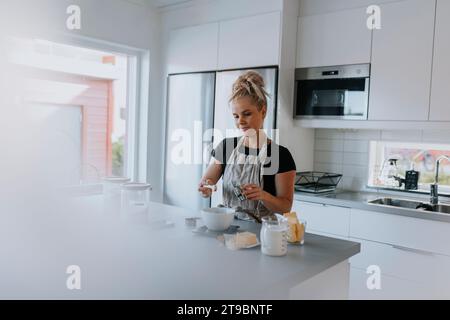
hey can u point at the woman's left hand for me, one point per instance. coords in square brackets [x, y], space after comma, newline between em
[253, 192]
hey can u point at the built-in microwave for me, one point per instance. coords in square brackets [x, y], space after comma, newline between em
[338, 92]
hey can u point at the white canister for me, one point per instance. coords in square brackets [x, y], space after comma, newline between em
[273, 237]
[112, 194]
[135, 201]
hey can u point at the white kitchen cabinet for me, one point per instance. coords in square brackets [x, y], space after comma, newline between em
[405, 232]
[440, 110]
[333, 39]
[324, 219]
[401, 61]
[250, 42]
[419, 267]
[193, 49]
[412, 254]
[391, 288]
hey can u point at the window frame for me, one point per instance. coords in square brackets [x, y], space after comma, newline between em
[422, 188]
[135, 161]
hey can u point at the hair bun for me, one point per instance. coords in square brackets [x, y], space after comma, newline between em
[250, 84]
[254, 78]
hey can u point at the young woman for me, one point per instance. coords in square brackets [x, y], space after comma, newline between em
[253, 165]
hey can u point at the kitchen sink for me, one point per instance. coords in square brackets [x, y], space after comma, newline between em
[410, 204]
[397, 203]
[441, 208]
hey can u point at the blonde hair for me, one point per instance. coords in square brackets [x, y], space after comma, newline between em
[250, 84]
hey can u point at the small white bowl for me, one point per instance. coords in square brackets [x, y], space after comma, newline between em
[218, 219]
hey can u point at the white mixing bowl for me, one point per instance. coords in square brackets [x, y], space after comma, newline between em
[218, 219]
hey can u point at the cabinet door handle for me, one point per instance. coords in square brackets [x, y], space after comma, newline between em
[423, 252]
[312, 204]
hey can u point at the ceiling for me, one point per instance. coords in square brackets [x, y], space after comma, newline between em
[165, 3]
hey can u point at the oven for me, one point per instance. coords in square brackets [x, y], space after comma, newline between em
[337, 92]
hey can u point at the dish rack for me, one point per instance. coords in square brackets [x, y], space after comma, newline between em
[317, 182]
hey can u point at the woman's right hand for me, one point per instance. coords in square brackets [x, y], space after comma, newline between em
[205, 188]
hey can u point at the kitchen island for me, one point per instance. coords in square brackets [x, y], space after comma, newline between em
[152, 259]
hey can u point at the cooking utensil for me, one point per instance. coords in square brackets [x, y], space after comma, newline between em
[250, 213]
[238, 192]
[213, 187]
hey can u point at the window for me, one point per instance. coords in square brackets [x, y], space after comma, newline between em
[81, 103]
[406, 156]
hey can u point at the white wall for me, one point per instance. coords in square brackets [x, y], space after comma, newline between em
[114, 21]
[118, 21]
[347, 151]
[299, 141]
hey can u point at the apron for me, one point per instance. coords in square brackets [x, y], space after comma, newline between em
[244, 169]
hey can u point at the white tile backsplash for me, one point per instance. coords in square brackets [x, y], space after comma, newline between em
[347, 151]
[402, 135]
[329, 134]
[355, 171]
[328, 167]
[356, 146]
[362, 135]
[356, 158]
[328, 156]
[436, 136]
[352, 183]
[329, 145]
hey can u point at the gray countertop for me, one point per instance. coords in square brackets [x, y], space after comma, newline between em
[130, 260]
[359, 200]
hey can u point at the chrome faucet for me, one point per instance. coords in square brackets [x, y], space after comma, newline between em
[434, 199]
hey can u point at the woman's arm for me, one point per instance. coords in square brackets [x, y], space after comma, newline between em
[211, 176]
[284, 184]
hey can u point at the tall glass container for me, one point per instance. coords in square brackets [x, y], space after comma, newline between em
[111, 194]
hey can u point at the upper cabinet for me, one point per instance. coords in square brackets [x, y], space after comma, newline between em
[440, 110]
[401, 61]
[239, 43]
[333, 39]
[250, 42]
[193, 49]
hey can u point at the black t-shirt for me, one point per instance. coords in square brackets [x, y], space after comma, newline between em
[279, 160]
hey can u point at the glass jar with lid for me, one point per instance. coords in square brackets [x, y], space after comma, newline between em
[111, 194]
[135, 200]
